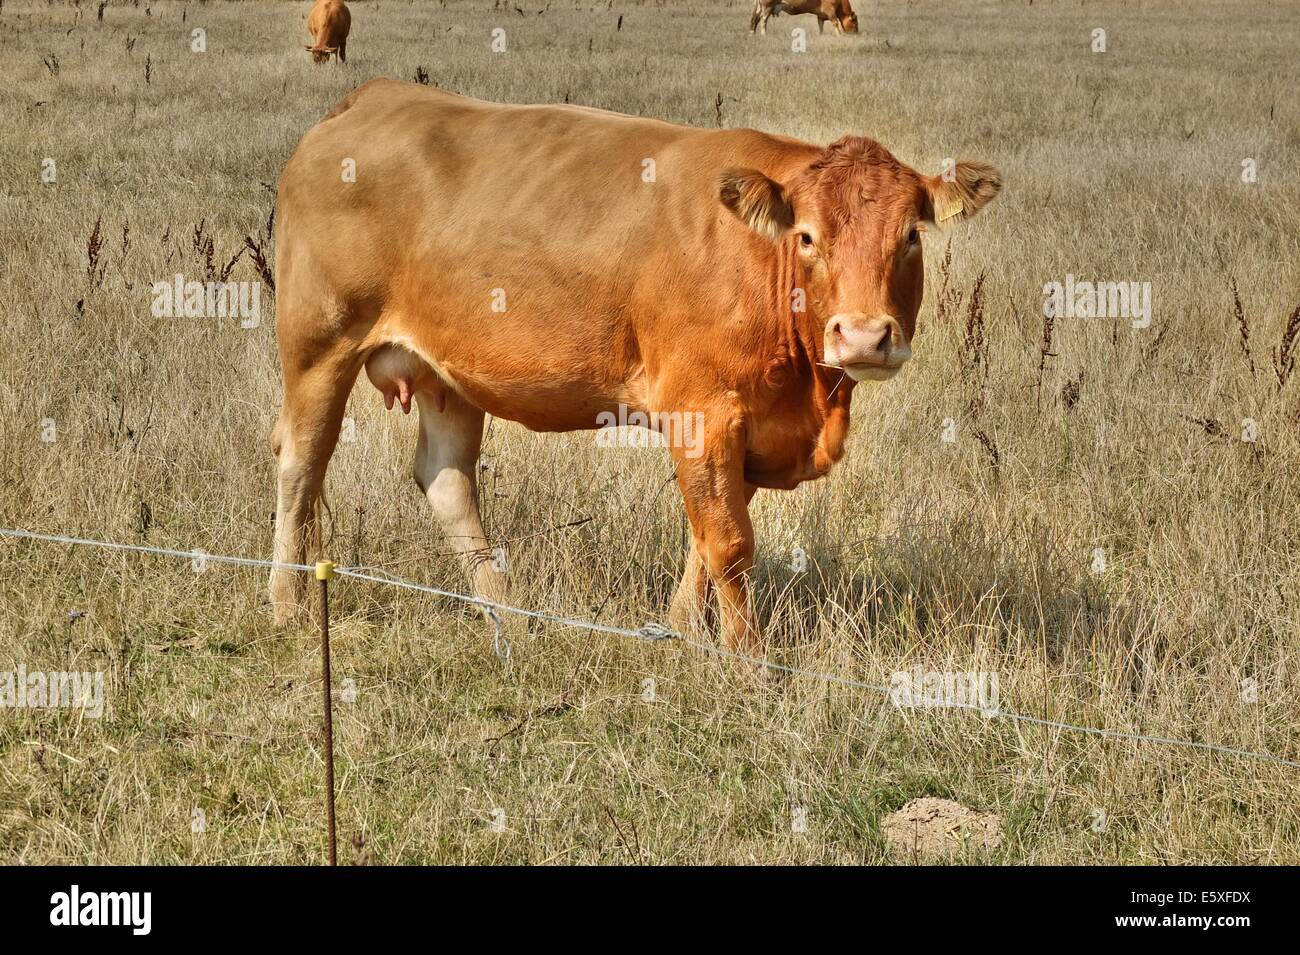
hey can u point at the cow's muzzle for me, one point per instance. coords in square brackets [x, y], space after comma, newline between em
[868, 349]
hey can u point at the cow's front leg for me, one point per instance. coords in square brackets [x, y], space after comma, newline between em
[717, 503]
[690, 604]
[691, 599]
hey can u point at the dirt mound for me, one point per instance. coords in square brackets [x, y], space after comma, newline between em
[939, 827]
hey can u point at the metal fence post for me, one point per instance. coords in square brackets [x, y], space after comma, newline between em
[324, 573]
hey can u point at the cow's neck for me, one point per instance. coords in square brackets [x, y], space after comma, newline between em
[828, 389]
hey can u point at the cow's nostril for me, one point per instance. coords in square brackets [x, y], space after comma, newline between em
[886, 340]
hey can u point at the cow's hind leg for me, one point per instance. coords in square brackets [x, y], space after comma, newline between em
[305, 435]
[446, 461]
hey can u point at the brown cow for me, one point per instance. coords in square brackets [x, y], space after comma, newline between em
[556, 265]
[838, 12]
[329, 23]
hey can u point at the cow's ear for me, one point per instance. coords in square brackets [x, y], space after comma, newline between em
[756, 201]
[963, 190]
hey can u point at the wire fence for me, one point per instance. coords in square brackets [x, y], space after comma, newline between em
[651, 631]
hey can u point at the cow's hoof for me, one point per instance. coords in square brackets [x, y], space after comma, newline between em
[688, 618]
[285, 610]
[286, 616]
[753, 667]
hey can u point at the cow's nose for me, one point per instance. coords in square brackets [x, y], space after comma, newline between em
[866, 346]
[859, 339]
[886, 337]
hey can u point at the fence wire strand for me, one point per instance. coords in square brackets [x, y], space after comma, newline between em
[653, 632]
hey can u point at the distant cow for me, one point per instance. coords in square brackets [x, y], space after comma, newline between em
[838, 12]
[516, 261]
[329, 23]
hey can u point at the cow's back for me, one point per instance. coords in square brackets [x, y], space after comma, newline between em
[572, 235]
[583, 177]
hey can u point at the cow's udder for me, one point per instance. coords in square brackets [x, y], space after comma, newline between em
[399, 373]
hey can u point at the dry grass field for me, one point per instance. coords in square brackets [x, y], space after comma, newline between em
[974, 554]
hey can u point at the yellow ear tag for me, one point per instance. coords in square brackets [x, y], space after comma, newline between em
[954, 209]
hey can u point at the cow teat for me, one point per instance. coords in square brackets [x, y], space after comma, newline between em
[400, 374]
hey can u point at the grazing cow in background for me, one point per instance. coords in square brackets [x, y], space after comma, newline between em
[517, 261]
[838, 12]
[329, 23]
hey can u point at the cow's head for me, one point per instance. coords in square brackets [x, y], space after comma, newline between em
[853, 221]
[845, 17]
[321, 54]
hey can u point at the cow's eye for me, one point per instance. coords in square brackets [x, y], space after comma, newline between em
[805, 240]
[913, 237]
